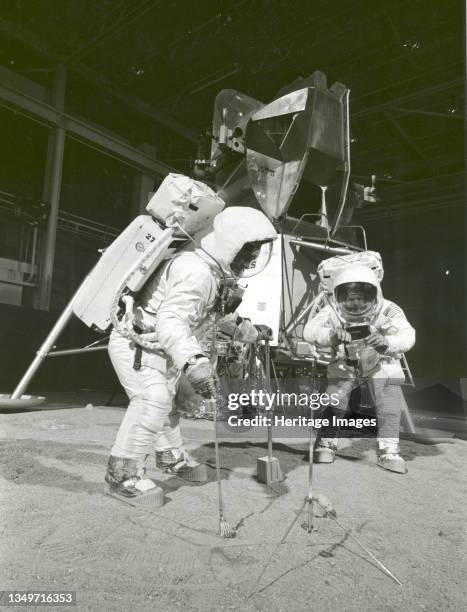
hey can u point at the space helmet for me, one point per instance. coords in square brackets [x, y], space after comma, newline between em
[356, 292]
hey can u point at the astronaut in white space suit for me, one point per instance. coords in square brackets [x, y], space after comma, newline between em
[357, 303]
[178, 301]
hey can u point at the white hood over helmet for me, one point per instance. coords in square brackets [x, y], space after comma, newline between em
[356, 274]
[234, 227]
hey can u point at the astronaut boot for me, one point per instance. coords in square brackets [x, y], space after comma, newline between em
[325, 450]
[177, 461]
[125, 481]
[389, 457]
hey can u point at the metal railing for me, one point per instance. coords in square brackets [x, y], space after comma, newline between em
[67, 222]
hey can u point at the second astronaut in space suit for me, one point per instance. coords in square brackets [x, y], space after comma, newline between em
[357, 300]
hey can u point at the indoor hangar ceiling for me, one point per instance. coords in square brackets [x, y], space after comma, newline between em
[149, 70]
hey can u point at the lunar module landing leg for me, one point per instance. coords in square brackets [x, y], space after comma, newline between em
[17, 399]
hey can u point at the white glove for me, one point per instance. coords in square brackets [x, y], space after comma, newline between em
[246, 332]
[378, 342]
[340, 336]
[202, 377]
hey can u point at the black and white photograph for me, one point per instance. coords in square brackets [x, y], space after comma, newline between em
[233, 348]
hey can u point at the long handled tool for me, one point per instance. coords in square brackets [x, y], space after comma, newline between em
[311, 452]
[225, 529]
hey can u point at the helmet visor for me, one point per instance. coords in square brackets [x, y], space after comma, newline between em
[355, 298]
[252, 259]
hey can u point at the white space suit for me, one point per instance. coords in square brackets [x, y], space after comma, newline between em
[381, 366]
[178, 300]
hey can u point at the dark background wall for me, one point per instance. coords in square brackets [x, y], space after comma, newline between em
[424, 262]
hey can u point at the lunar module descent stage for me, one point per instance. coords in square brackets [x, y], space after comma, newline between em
[293, 152]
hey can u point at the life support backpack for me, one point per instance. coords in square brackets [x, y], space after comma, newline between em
[179, 209]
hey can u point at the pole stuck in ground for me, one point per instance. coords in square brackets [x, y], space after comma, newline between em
[268, 468]
[309, 498]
